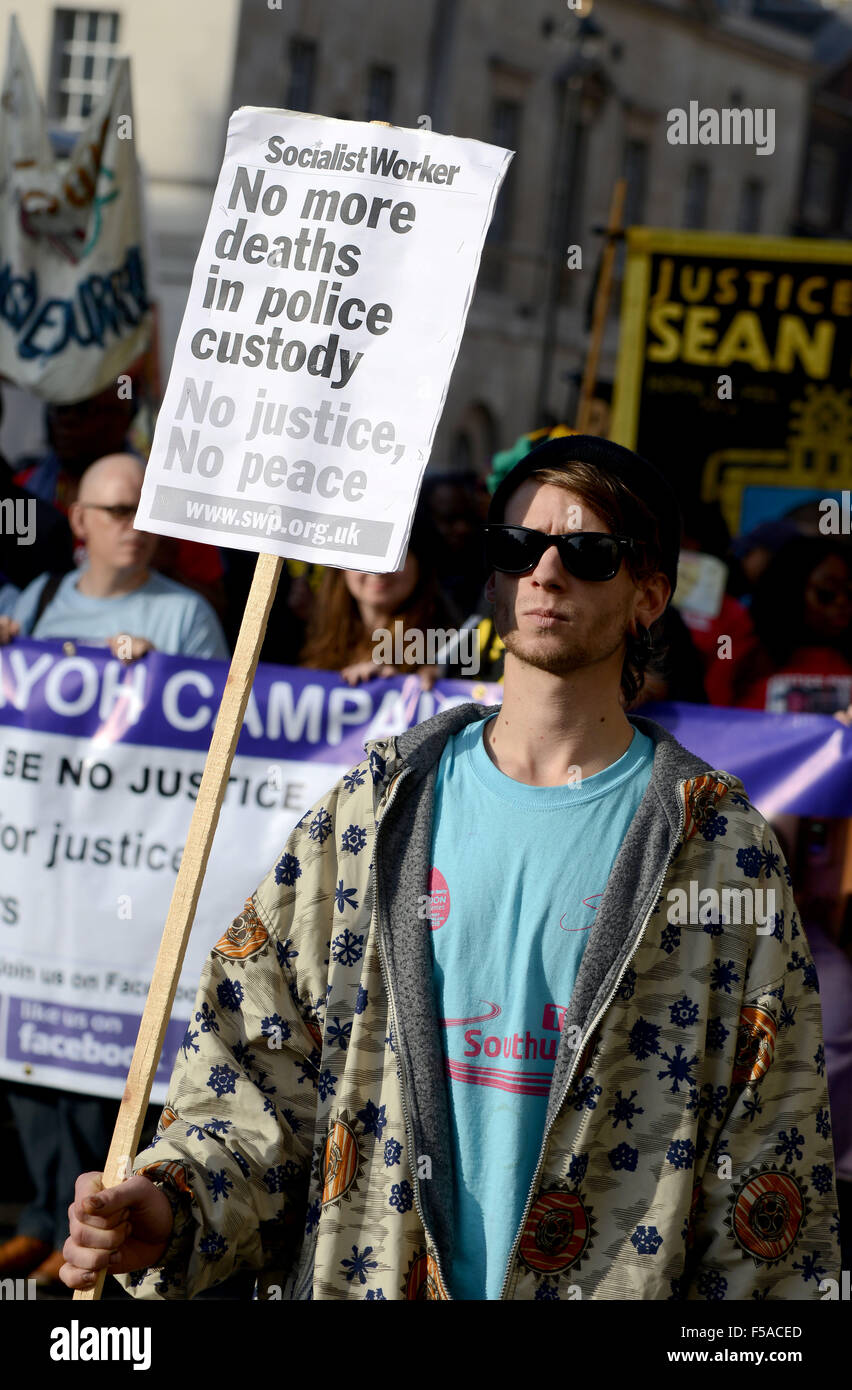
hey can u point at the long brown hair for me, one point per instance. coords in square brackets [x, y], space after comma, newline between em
[336, 635]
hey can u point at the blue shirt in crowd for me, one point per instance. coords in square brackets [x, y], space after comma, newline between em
[172, 617]
[9, 595]
[516, 875]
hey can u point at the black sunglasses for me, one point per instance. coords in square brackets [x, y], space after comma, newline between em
[592, 555]
[119, 512]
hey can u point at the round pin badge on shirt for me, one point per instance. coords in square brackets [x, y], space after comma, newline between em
[439, 893]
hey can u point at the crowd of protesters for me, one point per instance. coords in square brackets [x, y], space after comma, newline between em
[772, 629]
[762, 621]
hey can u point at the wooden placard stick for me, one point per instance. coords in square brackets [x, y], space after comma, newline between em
[601, 309]
[181, 914]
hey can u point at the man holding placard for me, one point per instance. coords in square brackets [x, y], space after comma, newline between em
[461, 1042]
[468, 1039]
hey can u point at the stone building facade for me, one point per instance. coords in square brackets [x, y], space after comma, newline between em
[582, 96]
[581, 91]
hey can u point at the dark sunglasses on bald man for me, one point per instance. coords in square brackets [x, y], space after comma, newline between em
[591, 555]
[119, 511]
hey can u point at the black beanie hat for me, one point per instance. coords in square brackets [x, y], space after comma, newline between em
[639, 475]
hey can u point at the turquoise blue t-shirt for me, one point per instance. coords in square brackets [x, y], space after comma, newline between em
[172, 617]
[516, 875]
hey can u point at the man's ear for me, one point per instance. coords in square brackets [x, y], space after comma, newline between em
[491, 587]
[77, 521]
[651, 600]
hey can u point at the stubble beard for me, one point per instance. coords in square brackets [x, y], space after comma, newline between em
[559, 651]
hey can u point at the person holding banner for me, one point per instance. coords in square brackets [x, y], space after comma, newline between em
[80, 433]
[117, 597]
[524, 1009]
[800, 658]
[119, 600]
[351, 606]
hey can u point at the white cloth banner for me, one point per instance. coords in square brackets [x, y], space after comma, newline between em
[73, 300]
[99, 768]
[325, 315]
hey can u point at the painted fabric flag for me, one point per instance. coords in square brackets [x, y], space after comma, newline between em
[73, 298]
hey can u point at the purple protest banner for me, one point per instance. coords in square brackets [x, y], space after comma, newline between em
[800, 764]
[100, 765]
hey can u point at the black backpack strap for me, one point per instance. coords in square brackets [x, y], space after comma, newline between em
[46, 596]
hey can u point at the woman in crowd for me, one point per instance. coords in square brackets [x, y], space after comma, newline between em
[351, 605]
[802, 614]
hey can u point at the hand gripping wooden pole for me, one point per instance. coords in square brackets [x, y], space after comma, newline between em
[202, 828]
[601, 309]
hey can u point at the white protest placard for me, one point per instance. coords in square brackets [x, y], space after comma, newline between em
[325, 315]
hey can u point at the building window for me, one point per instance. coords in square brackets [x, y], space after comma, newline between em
[635, 170]
[820, 176]
[697, 194]
[504, 131]
[751, 206]
[573, 183]
[505, 125]
[85, 47]
[380, 93]
[303, 66]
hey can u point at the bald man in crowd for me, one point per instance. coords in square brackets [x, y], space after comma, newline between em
[116, 595]
[116, 599]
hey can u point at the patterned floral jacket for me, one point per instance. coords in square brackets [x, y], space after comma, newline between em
[687, 1149]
